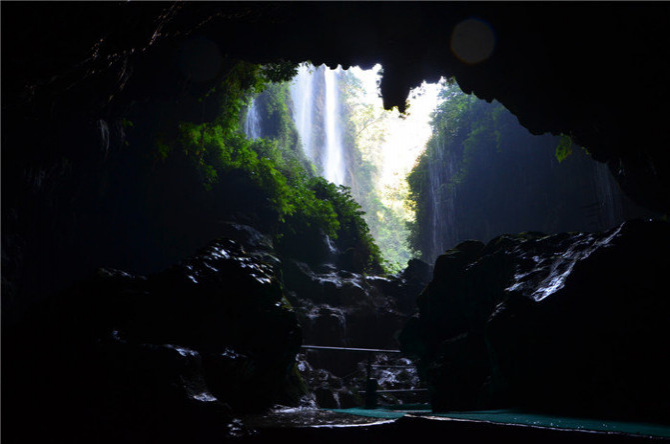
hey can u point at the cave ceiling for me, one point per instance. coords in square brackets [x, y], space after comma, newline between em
[595, 71]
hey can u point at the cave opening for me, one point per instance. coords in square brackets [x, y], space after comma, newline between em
[453, 168]
[173, 232]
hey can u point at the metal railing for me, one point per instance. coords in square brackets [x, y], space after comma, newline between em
[371, 389]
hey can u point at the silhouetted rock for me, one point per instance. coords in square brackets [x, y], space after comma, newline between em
[586, 331]
[572, 323]
[339, 308]
[157, 355]
[342, 308]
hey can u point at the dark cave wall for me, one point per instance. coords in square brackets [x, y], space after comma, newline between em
[595, 71]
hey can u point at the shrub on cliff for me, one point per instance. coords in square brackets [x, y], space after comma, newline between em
[269, 175]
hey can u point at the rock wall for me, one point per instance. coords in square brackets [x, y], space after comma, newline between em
[180, 353]
[571, 323]
[557, 67]
[76, 71]
[173, 355]
[339, 308]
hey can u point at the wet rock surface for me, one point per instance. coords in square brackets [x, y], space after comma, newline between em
[180, 354]
[340, 308]
[346, 309]
[572, 322]
[169, 356]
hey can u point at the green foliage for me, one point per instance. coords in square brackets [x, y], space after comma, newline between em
[367, 125]
[353, 229]
[467, 134]
[162, 149]
[281, 71]
[564, 147]
[272, 169]
[483, 174]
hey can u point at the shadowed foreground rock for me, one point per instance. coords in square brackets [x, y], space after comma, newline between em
[340, 308]
[171, 356]
[572, 323]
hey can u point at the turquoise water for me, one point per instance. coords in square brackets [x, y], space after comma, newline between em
[516, 417]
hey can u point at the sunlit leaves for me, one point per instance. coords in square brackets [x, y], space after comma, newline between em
[281, 71]
[464, 131]
[273, 168]
[368, 125]
[564, 147]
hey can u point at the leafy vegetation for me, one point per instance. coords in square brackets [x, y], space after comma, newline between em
[564, 147]
[482, 174]
[366, 133]
[273, 180]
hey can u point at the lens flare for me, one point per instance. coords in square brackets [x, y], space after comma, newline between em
[473, 41]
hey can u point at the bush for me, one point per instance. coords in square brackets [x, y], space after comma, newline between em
[271, 171]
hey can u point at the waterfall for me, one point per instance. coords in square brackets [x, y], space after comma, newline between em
[302, 94]
[334, 159]
[434, 170]
[607, 195]
[252, 125]
[104, 135]
[316, 112]
[441, 171]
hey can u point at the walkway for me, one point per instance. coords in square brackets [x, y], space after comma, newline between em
[521, 419]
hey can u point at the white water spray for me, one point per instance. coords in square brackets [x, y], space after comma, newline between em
[443, 232]
[609, 210]
[317, 116]
[334, 170]
[252, 125]
[302, 93]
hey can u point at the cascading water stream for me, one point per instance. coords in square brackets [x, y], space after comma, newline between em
[317, 117]
[252, 125]
[610, 211]
[436, 225]
[443, 229]
[302, 94]
[334, 170]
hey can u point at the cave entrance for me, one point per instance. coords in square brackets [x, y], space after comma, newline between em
[452, 168]
[351, 140]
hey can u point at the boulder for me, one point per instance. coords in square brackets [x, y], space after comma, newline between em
[586, 331]
[340, 308]
[134, 357]
[574, 323]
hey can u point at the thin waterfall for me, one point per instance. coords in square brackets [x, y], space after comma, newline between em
[316, 112]
[435, 180]
[252, 125]
[450, 232]
[302, 94]
[441, 173]
[334, 170]
[607, 195]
